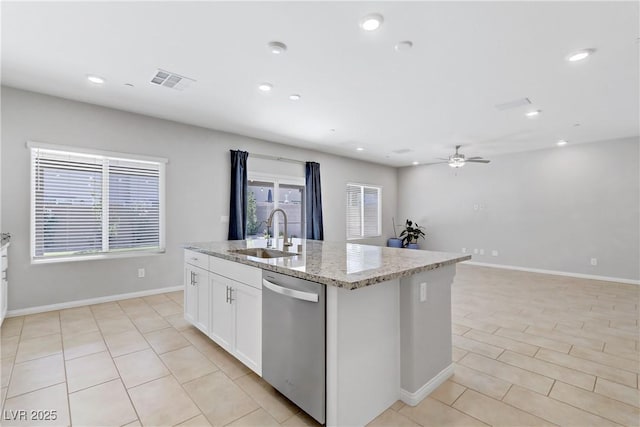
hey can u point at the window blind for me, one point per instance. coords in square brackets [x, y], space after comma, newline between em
[363, 211]
[84, 205]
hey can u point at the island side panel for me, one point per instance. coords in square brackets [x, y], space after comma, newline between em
[425, 339]
[363, 352]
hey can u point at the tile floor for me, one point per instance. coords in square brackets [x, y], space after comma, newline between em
[529, 350]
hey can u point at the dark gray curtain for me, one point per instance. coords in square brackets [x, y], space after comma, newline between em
[313, 218]
[238, 199]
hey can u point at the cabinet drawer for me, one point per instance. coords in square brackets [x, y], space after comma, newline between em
[196, 258]
[246, 274]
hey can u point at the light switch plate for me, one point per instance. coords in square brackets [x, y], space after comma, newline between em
[423, 291]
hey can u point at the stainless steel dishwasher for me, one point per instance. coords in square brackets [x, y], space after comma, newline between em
[293, 340]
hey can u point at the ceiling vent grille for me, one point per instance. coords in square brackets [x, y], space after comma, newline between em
[513, 104]
[171, 80]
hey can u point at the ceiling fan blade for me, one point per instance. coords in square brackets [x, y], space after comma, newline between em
[474, 158]
[478, 161]
[440, 158]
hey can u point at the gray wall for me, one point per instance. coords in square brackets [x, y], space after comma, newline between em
[197, 191]
[552, 209]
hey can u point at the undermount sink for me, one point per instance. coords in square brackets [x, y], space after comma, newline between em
[263, 253]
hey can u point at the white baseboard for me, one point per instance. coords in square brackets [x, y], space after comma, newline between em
[412, 399]
[90, 301]
[556, 273]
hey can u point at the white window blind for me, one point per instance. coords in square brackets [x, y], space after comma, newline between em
[363, 211]
[87, 205]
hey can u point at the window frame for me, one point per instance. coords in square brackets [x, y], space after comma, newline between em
[361, 236]
[104, 155]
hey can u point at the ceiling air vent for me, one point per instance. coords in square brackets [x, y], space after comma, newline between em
[171, 80]
[513, 104]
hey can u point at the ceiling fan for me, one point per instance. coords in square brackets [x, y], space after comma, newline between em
[458, 160]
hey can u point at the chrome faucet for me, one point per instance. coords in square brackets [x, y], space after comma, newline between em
[286, 242]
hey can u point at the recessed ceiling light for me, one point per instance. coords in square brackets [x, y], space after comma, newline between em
[332, 130]
[404, 45]
[277, 47]
[415, 163]
[580, 55]
[360, 149]
[561, 142]
[371, 22]
[533, 113]
[294, 97]
[95, 79]
[265, 87]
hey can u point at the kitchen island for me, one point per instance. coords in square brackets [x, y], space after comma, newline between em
[388, 315]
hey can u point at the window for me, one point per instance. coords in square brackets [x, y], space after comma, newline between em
[266, 193]
[93, 205]
[363, 211]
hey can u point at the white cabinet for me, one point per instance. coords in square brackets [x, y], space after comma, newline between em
[4, 284]
[227, 306]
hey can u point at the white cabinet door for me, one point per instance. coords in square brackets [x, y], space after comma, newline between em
[201, 279]
[221, 330]
[247, 302]
[190, 295]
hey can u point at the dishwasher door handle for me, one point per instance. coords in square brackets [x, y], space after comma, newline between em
[293, 293]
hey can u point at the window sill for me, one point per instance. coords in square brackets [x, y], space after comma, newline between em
[132, 254]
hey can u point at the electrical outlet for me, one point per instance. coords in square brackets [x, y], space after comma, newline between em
[141, 273]
[494, 253]
[475, 251]
[423, 291]
[481, 251]
[594, 261]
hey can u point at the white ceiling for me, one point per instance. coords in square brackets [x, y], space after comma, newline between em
[467, 57]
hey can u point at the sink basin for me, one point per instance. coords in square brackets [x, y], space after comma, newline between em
[263, 253]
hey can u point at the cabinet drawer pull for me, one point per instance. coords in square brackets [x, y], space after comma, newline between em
[194, 259]
[231, 300]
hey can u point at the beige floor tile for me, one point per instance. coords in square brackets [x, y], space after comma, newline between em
[75, 314]
[133, 305]
[150, 322]
[135, 423]
[596, 404]
[140, 367]
[231, 366]
[79, 327]
[87, 371]
[301, 420]
[39, 325]
[9, 347]
[502, 321]
[509, 373]
[199, 421]
[477, 347]
[51, 399]
[606, 359]
[570, 376]
[266, 396]
[177, 297]
[125, 343]
[619, 392]
[257, 418]
[12, 327]
[502, 342]
[398, 405]
[534, 340]
[187, 364]
[177, 321]
[106, 404]
[494, 412]
[162, 402]
[448, 392]
[219, 398]
[430, 412]
[82, 344]
[392, 418]
[106, 310]
[115, 325]
[166, 340]
[569, 339]
[613, 374]
[476, 324]
[156, 299]
[6, 367]
[551, 409]
[457, 353]
[459, 329]
[168, 308]
[478, 381]
[36, 374]
[34, 348]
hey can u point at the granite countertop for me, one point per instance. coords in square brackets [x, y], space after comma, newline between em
[341, 264]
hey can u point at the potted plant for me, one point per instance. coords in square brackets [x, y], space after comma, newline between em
[394, 242]
[412, 231]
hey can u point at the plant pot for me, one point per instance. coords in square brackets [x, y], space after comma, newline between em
[413, 246]
[394, 243]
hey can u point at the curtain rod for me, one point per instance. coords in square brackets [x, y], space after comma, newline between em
[281, 159]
